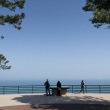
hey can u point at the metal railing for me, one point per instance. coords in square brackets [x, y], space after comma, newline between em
[22, 89]
[90, 89]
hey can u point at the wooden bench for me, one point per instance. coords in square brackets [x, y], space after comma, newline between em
[63, 90]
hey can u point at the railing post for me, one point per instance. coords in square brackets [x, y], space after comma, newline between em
[99, 89]
[18, 89]
[86, 88]
[72, 88]
[3, 89]
[32, 89]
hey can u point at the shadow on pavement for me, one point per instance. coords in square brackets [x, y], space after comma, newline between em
[59, 107]
[41, 99]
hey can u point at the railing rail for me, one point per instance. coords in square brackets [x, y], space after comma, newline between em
[22, 89]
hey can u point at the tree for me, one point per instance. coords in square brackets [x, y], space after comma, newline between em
[15, 20]
[100, 10]
[3, 62]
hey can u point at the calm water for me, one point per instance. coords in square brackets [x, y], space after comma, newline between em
[53, 82]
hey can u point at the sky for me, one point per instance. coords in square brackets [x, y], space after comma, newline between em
[57, 41]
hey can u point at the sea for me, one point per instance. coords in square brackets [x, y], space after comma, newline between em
[53, 82]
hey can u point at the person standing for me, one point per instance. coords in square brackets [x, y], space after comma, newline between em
[58, 88]
[47, 87]
[82, 86]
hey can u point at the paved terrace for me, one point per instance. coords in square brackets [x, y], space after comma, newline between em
[69, 98]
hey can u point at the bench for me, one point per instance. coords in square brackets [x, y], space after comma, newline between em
[63, 90]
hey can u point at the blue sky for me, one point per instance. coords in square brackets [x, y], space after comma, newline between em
[57, 41]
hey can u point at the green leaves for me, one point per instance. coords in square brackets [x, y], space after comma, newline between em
[100, 10]
[13, 4]
[16, 19]
[3, 62]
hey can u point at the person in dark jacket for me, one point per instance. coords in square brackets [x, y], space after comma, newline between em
[47, 87]
[58, 88]
[82, 86]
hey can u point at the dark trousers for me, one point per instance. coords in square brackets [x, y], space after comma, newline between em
[82, 89]
[58, 92]
[47, 90]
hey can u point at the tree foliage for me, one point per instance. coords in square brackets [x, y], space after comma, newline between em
[15, 19]
[100, 10]
[3, 62]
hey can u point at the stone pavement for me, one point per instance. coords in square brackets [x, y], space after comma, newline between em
[69, 98]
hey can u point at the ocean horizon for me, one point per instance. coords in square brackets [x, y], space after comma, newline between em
[53, 82]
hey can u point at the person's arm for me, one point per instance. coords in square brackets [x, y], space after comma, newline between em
[45, 84]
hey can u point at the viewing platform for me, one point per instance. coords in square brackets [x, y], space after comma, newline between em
[30, 97]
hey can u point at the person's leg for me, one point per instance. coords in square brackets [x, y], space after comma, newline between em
[49, 91]
[57, 92]
[46, 91]
[80, 91]
[83, 90]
